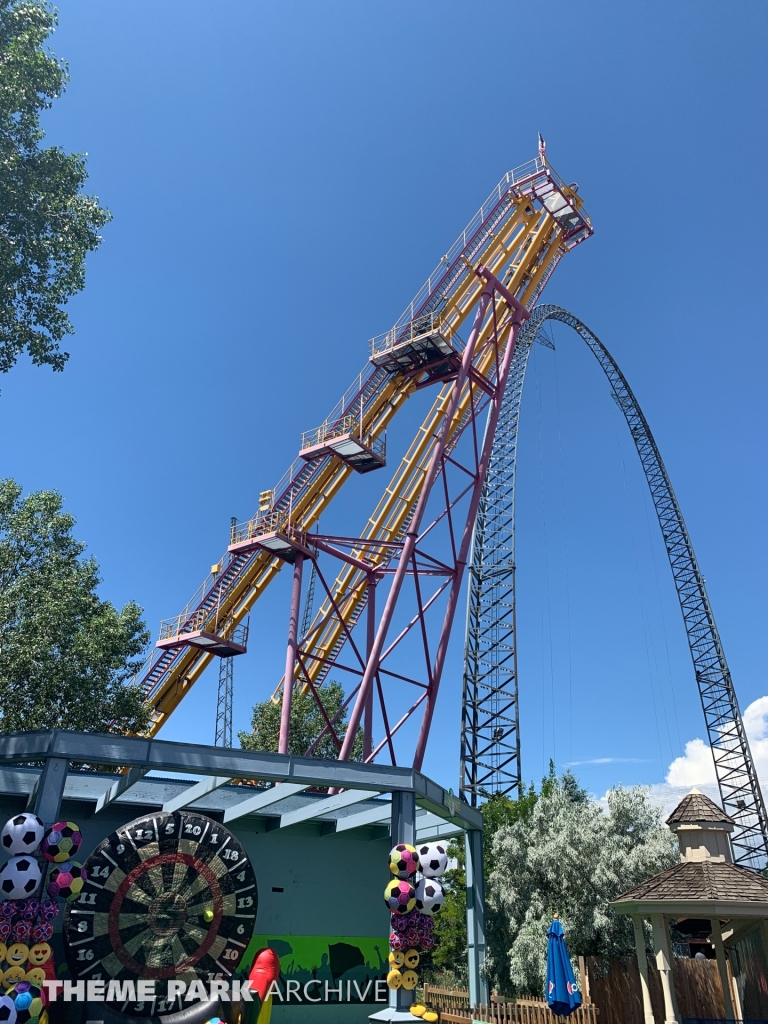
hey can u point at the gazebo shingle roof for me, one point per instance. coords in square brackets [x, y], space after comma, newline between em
[701, 880]
[696, 806]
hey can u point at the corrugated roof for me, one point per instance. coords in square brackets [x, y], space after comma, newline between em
[701, 880]
[696, 806]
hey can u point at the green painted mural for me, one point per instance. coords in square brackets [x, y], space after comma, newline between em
[346, 967]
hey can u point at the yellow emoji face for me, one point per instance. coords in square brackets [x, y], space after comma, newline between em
[410, 979]
[36, 975]
[39, 954]
[394, 979]
[411, 958]
[17, 954]
[12, 975]
[3, 950]
[396, 958]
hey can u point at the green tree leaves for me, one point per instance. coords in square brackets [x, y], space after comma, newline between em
[47, 227]
[66, 656]
[307, 722]
[570, 857]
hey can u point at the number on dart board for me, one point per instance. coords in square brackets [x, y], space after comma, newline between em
[167, 896]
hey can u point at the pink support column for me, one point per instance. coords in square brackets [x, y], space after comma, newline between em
[290, 655]
[409, 544]
[521, 314]
[371, 623]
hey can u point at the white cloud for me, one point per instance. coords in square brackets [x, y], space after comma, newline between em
[696, 767]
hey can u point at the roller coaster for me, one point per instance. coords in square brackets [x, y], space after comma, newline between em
[418, 539]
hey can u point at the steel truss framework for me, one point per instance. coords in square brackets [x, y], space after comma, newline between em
[495, 271]
[491, 759]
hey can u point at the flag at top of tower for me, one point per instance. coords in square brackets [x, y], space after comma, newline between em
[563, 993]
[542, 148]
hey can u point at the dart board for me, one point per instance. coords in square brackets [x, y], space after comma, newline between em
[167, 896]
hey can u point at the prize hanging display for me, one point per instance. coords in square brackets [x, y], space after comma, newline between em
[26, 916]
[167, 896]
[413, 897]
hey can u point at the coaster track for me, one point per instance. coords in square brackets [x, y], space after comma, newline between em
[530, 220]
[490, 759]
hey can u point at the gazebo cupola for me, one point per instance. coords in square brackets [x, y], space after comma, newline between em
[702, 829]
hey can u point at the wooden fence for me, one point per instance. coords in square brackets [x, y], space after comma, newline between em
[614, 988]
[453, 1004]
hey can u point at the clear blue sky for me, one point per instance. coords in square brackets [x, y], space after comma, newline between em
[284, 176]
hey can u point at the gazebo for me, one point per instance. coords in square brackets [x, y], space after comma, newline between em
[706, 889]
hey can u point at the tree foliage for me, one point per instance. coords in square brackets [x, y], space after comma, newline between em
[570, 857]
[66, 656]
[449, 958]
[47, 226]
[551, 851]
[307, 722]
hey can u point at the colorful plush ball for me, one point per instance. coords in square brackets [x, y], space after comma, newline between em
[49, 909]
[27, 1000]
[400, 896]
[5, 929]
[427, 943]
[61, 842]
[67, 881]
[19, 878]
[429, 896]
[21, 931]
[7, 1010]
[42, 931]
[411, 936]
[396, 941]
[8, 908]
[403, 860]
[22, 834]
[433, 858]
[29, 909]
[399, 922]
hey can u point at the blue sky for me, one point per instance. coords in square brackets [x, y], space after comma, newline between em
[283, 177]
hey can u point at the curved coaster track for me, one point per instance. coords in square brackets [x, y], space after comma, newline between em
[490, 739]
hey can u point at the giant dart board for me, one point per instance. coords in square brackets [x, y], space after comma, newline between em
[167, 896]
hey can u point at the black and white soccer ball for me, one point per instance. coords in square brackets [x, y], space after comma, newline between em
[22, 834]
[433, 858]
[8, 1014]
[19, 878]
[429, 896]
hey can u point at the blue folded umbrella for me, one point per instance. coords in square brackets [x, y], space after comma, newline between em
[563, 994]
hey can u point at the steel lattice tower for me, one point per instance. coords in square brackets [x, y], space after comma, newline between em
[490, 746]
[490, 726]
[224, 703]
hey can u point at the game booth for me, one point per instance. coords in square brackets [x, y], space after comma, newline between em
[145, 880]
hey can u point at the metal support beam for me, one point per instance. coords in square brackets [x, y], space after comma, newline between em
[263, 799]
[428, 831]
[122, 785]
[478, 983]
[197, 759]
[370, 816]
[196, 792]
[290, 655]
[325, 805]
[51, 789]
[403, 830]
